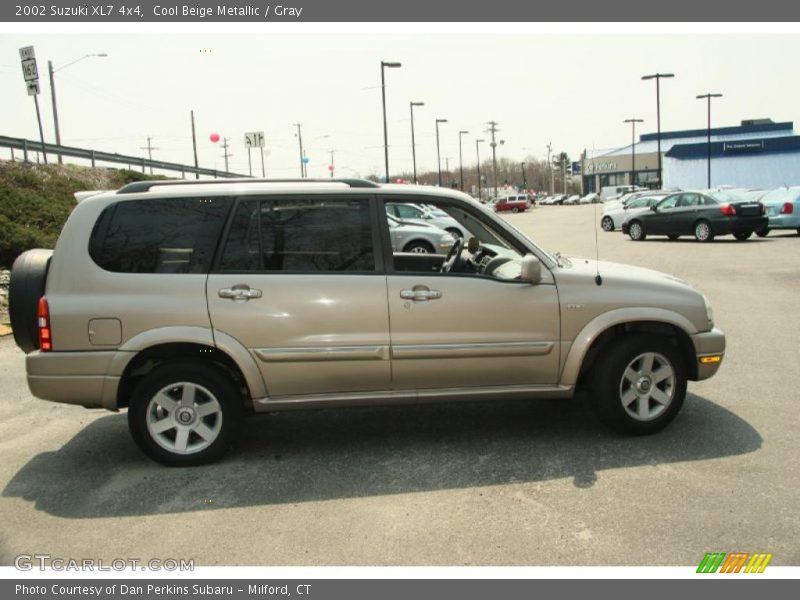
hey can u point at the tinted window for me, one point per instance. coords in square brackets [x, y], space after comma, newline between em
[688, 200]
[162, 235]
[300, 236]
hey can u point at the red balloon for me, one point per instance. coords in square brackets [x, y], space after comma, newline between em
[330, 167]
[214, 137]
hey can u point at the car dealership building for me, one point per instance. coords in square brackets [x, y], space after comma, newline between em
[758, 153]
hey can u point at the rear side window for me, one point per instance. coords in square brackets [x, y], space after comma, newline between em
[160, 235]
[300, 236]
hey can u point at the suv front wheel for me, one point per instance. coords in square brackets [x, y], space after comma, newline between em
[185, 414]
[639, 384]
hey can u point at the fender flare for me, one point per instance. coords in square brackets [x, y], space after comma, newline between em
[192, 335]
[601, 323]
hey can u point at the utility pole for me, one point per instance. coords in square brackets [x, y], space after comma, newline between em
[493, 130]
[413, 144]
[194, 148]
[478, 156]
[524, 179]
[225, 150]
[708, 97]
[447, 168]
[333, 164]
[55, 107]
[564, 170]
[550, 167]
[150, 149]
[300, 140]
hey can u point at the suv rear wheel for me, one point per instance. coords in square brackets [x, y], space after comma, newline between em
[185, 414]
[639, 384]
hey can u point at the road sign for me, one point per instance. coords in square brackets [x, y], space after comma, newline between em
[30, 72]
[26, 53]
[254, 139]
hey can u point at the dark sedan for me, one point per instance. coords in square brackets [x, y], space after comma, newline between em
[703, 215]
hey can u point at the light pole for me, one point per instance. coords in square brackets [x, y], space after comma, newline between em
[550, 167]
[493, 130]
[658, 77]
[524, 179]
[708, 97]
[302, 154]
[52, 72]
[438, 156]
[460, 159]
[413, 143]
[633, 123]
[391, 65]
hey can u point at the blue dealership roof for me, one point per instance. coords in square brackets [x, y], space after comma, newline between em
[731, 148]
[720, 131]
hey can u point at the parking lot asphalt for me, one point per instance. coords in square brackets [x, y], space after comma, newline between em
[513, 483]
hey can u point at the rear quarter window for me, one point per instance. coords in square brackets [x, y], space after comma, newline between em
[159, 235]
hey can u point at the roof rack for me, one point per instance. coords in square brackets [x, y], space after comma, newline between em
[145, 186]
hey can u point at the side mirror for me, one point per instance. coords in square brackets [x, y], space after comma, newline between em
[654, 207]
[531, 269]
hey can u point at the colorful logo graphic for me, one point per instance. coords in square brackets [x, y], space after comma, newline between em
[734, 562]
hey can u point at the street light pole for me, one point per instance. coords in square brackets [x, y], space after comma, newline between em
[478, 155]
[524, 179]
[550, 167]
[708, 97]
[493, 130]
[438, 155]
[302, 155]
[658, 77]
[413, 143]
[52, 72]
[633, 123]
[391, 65]
[460, 159]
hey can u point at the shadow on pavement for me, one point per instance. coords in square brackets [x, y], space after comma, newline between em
[304, 456]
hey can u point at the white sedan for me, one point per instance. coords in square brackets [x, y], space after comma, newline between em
[613, 216]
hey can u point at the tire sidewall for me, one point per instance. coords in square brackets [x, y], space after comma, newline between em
[607, 376]
[418, 244]
[207, 375]
[631, 229]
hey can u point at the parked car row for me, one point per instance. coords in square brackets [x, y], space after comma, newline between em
[704, 214]
[564, 199]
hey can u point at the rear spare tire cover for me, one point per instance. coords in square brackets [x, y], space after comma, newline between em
[28, 277]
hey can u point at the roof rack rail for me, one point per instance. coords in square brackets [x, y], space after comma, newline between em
[145, 186]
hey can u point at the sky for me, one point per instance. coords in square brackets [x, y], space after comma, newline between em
[571, 90]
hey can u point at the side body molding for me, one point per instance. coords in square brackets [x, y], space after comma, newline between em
[595, 327]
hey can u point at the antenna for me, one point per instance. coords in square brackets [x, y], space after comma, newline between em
[597, 279]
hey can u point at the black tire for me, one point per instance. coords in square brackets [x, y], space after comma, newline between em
[456, 233]
[764, 232]
[636, 231]
[673, 237]
[419, 246]
[607, 224]
[28, 278]
[176, 374]
[610, 386]
[702, 231]
[742, 235]
[514, 209]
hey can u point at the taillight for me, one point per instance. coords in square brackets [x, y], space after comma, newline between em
[727, 209]
[787, 209]
[45, 339]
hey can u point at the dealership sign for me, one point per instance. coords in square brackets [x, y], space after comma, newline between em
[754, 146]
[597, 167]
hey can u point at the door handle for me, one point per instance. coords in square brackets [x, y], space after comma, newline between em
[420, 294]
[239, 292]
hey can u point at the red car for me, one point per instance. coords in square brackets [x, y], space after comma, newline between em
[515, 204]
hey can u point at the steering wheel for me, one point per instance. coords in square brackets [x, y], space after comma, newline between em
[453, 262]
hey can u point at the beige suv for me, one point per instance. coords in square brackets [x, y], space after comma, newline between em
[192, 304]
